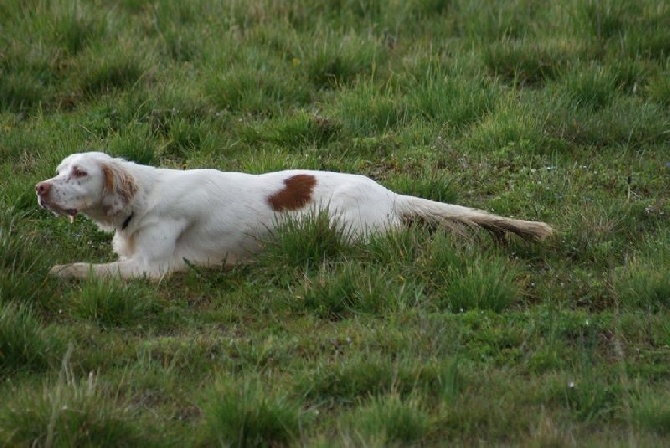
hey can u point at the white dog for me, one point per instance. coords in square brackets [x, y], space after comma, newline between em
[166, 219]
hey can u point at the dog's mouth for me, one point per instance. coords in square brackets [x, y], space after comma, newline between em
[58, 210]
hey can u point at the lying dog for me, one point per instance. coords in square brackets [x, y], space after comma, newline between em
[166, 219]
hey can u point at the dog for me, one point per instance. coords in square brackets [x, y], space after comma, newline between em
[167, 219]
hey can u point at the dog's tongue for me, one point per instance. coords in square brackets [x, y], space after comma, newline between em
[71, 213]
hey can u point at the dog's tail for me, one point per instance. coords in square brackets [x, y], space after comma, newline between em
[411, 207]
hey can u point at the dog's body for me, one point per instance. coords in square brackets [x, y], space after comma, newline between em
[165, 219]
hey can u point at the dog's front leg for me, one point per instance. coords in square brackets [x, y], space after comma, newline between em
[153, 256]
[126, 269]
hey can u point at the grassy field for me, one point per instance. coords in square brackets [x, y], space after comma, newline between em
[555, 111]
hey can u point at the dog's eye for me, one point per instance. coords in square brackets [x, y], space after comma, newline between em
[78, 172]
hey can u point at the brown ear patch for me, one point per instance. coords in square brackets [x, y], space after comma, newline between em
[297, 193]
[118, 181]
[108, 184]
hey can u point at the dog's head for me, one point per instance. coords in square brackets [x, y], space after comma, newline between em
[92, 183]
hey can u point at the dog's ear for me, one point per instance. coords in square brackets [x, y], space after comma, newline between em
[118, 188]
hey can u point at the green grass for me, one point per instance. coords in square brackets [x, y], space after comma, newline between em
[246, 415]
[24, 344]
[553, 111]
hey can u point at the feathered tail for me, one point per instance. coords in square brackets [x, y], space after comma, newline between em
[413, 207]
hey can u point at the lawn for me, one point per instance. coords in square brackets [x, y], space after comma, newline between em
[554, 111]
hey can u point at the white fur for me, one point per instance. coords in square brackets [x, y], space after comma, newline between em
[207, 217]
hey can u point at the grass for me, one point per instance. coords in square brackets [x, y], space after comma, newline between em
[251, 417]
[558, 112]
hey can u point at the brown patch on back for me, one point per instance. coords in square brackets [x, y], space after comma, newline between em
[297, 193]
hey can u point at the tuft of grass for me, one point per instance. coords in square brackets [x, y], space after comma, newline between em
[642, 283]
[358, 288]
[435, 186]
[70, 412]
[250, 416]
[185, 137]
[305, 242]
[644, 287]
[450, 101]
[115, 72]
[338, 62]
[626, 121]
[300, 130]
[112, 303]
[483, 286]
[400, 248]
[265, 91]
[591, 400]
[649, 37]
[592, 89]
[366, 111]
[607, 21]
[74, 30]
[527, 64]
[651, 412]
[349, 380]
[24, 344]
[17, 146]
[659, 90]
[21, 92]
[359, 376]
[507, 20]
[514, 128]
[135, 143]
[390, 420]
[24, 261]
[459, 282]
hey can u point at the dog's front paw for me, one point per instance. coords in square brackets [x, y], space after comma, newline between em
[73, 270]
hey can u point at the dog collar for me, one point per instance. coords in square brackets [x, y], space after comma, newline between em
[127, 221]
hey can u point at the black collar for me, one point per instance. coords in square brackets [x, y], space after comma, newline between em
[127, 221]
